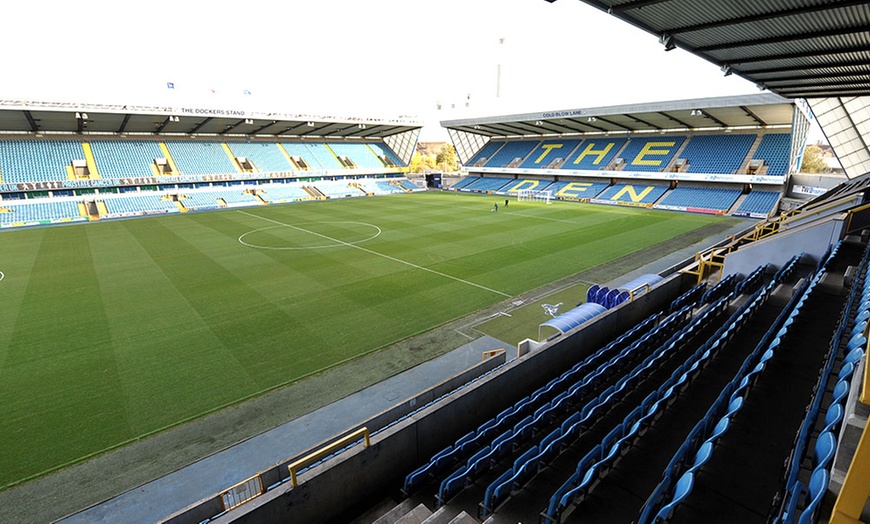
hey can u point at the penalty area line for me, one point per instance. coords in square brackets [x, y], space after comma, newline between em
[388, 257]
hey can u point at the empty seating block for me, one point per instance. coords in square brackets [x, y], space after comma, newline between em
[486, 152]
[718, 199]
[118, 159]
[550, 151]
[265, 156]
[634, 193]
[301, 151]
[594, 154]
[577, 190]
[324, 156]
[200, 158]
[283, 192]
[527, 185]
[650, 154]
[510, 152]
[774, 149]
[359, 154]
[37, 160]
[383, 150]
[41, 211]
[758, 203]
[139, 204]
[484, 184]
[717, 153]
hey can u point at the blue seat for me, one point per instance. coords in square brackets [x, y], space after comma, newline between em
[702, 456]
[720, 428]
[826, 446]
[681, 491]
[846, 371]
[450, 486]
[833, 417]
[817, 489]
[840, 391]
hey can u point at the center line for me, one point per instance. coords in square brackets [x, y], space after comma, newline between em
[388, 257]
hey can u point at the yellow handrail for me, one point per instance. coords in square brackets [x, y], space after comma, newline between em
[326, 450]
[491, 353]
[242, 492]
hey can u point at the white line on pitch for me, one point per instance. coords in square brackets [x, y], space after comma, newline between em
[388, 257]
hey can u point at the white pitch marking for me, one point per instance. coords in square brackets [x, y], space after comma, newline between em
[388, 257]
[2, 276]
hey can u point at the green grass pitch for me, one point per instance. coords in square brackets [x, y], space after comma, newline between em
[114, 330]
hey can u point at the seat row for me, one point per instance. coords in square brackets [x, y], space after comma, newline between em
[700, 444]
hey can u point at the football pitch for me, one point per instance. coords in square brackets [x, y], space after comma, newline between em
[114, 330]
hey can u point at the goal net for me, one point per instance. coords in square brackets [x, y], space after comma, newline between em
[531, 195]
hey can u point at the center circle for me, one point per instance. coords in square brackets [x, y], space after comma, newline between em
[310, 235]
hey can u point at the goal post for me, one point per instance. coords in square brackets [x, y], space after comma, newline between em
[532, 195]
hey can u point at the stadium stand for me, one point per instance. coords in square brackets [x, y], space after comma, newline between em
[37, 160]
[118, 159]
[264, 156]
[385, 153]
[550, 153]
[717, 153]
[200, 158]
[485, 184]
[486, 152]
[650, 154]
[359, 154]
[299, 151]
[512, 153]
[577, 190]
[631, 194]
[138, 204]
[594, 154]
[699, 198]
[774, 150]
[527, 184]
[325, 157]
[39, 212]
[758, 204]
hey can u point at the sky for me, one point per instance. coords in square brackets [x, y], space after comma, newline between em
[361, 58]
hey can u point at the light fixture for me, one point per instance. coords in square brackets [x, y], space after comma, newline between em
[697, 112]
[539, 123]
[249, 120]
[726, 69]
[592, 119]
[310, 124]
[667, 41]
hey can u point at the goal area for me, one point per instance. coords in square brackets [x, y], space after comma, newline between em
[532, 195]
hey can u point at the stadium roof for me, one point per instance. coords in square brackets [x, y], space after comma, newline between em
[761, 110]
[26, 117]
[796, 48]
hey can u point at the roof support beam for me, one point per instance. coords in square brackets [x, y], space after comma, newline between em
[753, 115]
[800, 54]
[862, 73]
[767, 16]
[636, 4]
[783, 38]
[261, 128]
[856, 82]
[714, 119]
[805, 67]
[677, 120]
[225, 130]
[162, 125]
[644, 122]
[123, 125]
[33, 126]
[614, 124]
[199, 126]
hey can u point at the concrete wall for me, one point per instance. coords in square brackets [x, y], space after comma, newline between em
[813, 240]
[362, 475]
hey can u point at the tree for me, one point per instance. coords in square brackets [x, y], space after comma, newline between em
[814, 161]
[446, 158]
[420, 163]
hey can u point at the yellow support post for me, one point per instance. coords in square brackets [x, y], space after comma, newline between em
[70, 173]
[169, 159]
[232, 157]
[83, 211]
[326, 450]
[101, 208]
[375, 154]
[90, 160]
